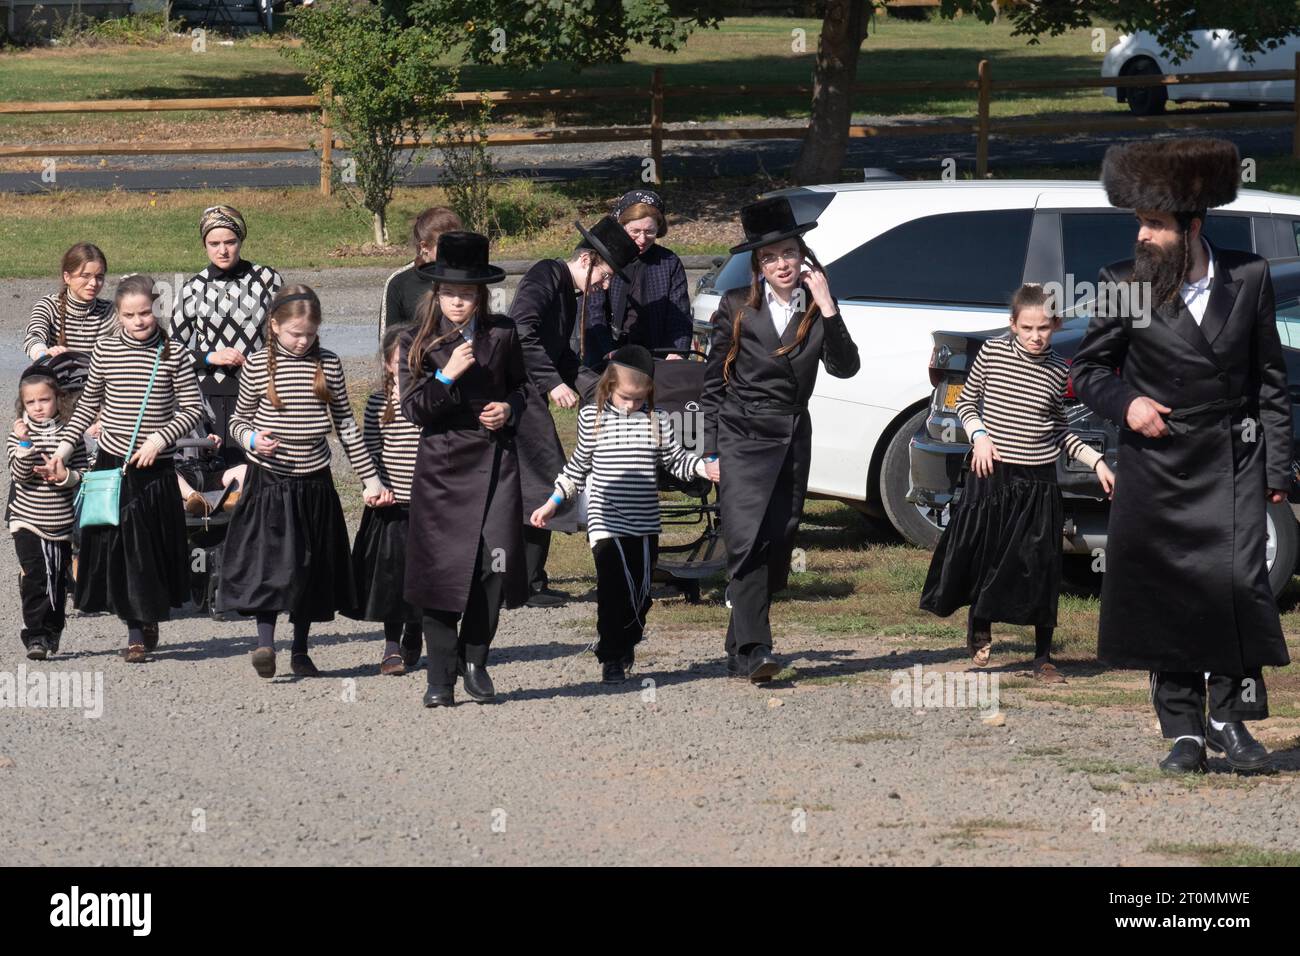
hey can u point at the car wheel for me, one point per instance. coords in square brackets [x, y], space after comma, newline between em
[1145, 100]
[1283, 544]
[918, 525]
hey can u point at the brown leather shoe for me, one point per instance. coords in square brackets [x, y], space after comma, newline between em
[135, 654]
[392, 666]
[1045, 672]
[264, 661]
[197, 506]
[231, 500]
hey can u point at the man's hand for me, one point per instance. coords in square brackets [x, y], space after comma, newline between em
[564, 396]
[1276, 495]
[1144, 416]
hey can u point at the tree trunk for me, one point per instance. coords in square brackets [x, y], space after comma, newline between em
[843, 30]
[381, 229]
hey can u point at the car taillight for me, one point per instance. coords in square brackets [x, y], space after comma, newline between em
[936, 373]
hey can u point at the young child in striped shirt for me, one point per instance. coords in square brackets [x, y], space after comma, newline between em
[40, 511]
[138, 569]
[1001, 551]
[622, 441]
[286, 548]
[379, 552]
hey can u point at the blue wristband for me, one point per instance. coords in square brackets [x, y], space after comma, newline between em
[252, 442]
[710, 458]
[24, 444]
[443, 378]
[977, 432]
[207, 358]
[557, 498]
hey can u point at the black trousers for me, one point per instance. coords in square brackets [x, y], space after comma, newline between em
[764, 570]
[478, 624]
[1180, 697]
[537, 546]
[42, 584]
[623, 567]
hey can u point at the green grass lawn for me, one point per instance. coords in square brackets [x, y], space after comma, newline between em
[743, 50]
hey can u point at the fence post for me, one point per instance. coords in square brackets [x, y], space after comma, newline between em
[1295, 133]
[326, 149]
[657, 122]
[982, 123]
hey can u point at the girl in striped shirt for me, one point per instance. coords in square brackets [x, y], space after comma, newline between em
[286, 549]
[40, 507]
[1001, 551]
[138, 569]
[622, 442]
[379, 553]
[74, 318]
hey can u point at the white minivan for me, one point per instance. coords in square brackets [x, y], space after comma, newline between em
[907, 258]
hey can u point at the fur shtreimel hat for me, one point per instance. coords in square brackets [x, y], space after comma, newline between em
[1172, 175]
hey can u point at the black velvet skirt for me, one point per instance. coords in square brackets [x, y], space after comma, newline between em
[379, 566]
[286, 548]
[139, 570]
[1001, 551]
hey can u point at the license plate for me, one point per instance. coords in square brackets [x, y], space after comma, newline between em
[950, 395]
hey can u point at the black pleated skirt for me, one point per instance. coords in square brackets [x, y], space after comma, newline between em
[1001, 551]
[286, 548]
[139, 570]
[379, 566]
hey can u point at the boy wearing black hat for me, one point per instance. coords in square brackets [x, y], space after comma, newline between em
[1205, 442]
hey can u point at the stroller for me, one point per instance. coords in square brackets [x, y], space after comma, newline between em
[678, 386]
[206, 534]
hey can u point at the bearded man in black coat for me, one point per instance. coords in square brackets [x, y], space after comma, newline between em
[1204, 418]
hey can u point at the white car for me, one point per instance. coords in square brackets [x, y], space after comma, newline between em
[1216, 51]
[907, 258]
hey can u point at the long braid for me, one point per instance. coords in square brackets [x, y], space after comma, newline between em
[752, 301]
[582, 316]
[272, 395]
[389, 413]
[319, 386]
[63, 316]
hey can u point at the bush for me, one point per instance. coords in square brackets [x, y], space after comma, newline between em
[138, 29]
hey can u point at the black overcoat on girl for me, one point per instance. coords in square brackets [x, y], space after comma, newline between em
[1186, 586]
[755, 418]
[466, 480]
[544, 310]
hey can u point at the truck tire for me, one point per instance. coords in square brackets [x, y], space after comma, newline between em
[896, 479]
[1283, 545]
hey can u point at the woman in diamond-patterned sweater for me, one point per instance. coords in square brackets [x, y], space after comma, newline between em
[220, 318]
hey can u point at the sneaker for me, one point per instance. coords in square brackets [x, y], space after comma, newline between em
[37, 649]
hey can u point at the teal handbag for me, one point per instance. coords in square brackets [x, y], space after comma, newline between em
[100, 497]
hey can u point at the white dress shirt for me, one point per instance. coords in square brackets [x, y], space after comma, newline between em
[1197, 294]
[782, 312]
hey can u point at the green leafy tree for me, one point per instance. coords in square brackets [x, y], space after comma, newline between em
[380, 80]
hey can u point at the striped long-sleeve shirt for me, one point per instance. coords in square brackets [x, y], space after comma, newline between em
[303, 422]
[82, 324]
[621, 458]
[392, 445]
[42, 507]
[1017, 397]
[115, 388]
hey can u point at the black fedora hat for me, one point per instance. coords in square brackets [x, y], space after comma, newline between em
[609, 240]
[69, 369]
[768, 221]
[462, 257]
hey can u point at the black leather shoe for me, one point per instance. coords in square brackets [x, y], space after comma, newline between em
[150, 635]
[611, 672]
[1186, 756]
[478, 684]
[761, 665]
[37, 650]
[411, 653]
[1234, 741]
[733, 666]
[545, 599]
[440, 696]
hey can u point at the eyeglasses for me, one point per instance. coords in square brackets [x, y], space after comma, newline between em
[771, 260]
[643, 233]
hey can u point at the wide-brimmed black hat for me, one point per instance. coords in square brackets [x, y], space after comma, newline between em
[768, 221]
[1172, 175]
[69, 369]
[609, 241]
[462, 257]
[636, 357]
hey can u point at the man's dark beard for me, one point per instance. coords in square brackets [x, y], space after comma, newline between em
[1164, 270]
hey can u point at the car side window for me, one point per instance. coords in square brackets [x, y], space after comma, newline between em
[1295, 235]
[1091, 240]
[975, 258]
[1287, 315]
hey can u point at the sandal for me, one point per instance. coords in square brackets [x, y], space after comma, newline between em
[980, 645]
[394, 665]
[302, 666]
[135, 654]
[1045, 672]
[264, 661]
